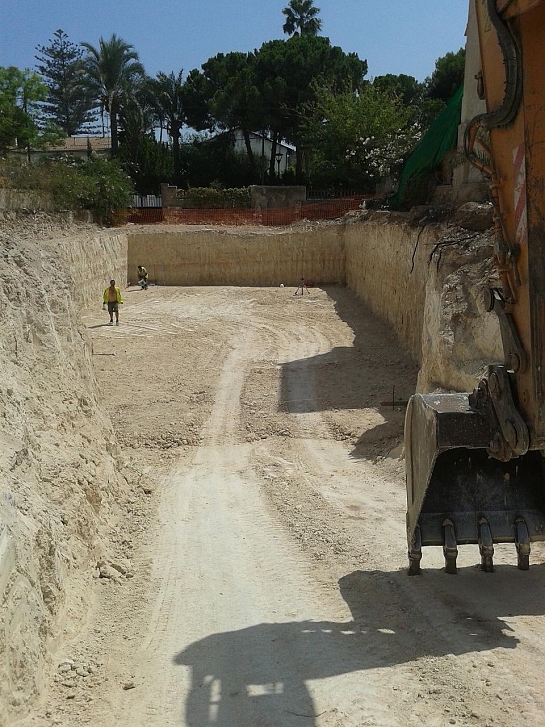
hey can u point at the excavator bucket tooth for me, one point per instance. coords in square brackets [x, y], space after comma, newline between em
[486, 546]
[457, 493]
[450, 548]
[415, 553]
[522, 541]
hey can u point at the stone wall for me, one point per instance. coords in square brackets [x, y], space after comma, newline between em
[269, 197]
[12, 200]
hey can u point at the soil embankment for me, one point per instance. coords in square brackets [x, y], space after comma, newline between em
[61, 481]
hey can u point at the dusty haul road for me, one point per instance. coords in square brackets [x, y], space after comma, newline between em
[267, 551]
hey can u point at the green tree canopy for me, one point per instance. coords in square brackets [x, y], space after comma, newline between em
[168, 98]
[114, 72]
[301, 18]
[357, 138]
[406, 88]
[69, 102]
[20, 123]
[447, 77]
[289, 73]
[234, 99]
[198, 92]
[423, 110]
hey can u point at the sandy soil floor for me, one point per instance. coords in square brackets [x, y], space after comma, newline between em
[267, 582]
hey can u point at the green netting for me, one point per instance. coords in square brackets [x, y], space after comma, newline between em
[439, 138]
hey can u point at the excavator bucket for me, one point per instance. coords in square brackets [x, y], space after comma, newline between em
[457, 493]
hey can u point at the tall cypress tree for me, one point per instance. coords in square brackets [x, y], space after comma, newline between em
[69, 102]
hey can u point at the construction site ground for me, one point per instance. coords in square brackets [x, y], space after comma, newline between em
[265, 580]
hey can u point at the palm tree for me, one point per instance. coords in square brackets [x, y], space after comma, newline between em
[301, 18]
[113, 71]
[169, 102]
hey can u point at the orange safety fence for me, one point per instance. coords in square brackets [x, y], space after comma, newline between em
[324, 210]
[145, 215]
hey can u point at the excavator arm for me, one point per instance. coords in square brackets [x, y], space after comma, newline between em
[474, 465]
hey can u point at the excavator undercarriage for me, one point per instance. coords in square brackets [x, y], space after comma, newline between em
[474, 464]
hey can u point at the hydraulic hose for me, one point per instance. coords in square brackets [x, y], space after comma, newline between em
[507, 112]
[500, 118]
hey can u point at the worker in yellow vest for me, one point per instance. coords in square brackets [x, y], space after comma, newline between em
[112, 298]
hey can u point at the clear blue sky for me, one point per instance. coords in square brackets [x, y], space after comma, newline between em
[395, 36]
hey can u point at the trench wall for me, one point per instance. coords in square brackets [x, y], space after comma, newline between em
[235, 256]
[60, 484]
[92, 260]
[429, 294]
[387, 262]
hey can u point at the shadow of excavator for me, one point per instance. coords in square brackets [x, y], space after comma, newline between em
[360, 376]
[261, 675]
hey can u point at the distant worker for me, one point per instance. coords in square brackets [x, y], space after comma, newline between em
[303, 285]
[112, 296]
[143, 277]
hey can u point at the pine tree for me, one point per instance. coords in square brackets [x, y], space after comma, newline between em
[69, 101]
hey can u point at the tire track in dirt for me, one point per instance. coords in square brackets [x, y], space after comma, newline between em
[244, 626]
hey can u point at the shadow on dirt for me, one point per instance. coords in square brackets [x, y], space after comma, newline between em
[258, 675]
[373, 370]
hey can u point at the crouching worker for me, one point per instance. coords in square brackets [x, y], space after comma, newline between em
[112, 297]
[143, 277]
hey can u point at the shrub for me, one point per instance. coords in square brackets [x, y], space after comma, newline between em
[98, 185]
[213, 198]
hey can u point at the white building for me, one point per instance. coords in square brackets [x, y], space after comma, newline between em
[261, 146]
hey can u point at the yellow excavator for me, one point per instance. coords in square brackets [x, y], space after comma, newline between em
[475, 462]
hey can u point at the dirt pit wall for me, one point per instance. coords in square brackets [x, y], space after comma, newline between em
[459, 337]
[427, 281]
[60, 484]
[187, 255]
[424, 279]
[381, 257]
[387, 263]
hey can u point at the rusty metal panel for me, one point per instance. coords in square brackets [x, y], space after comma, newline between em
[511, 8]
